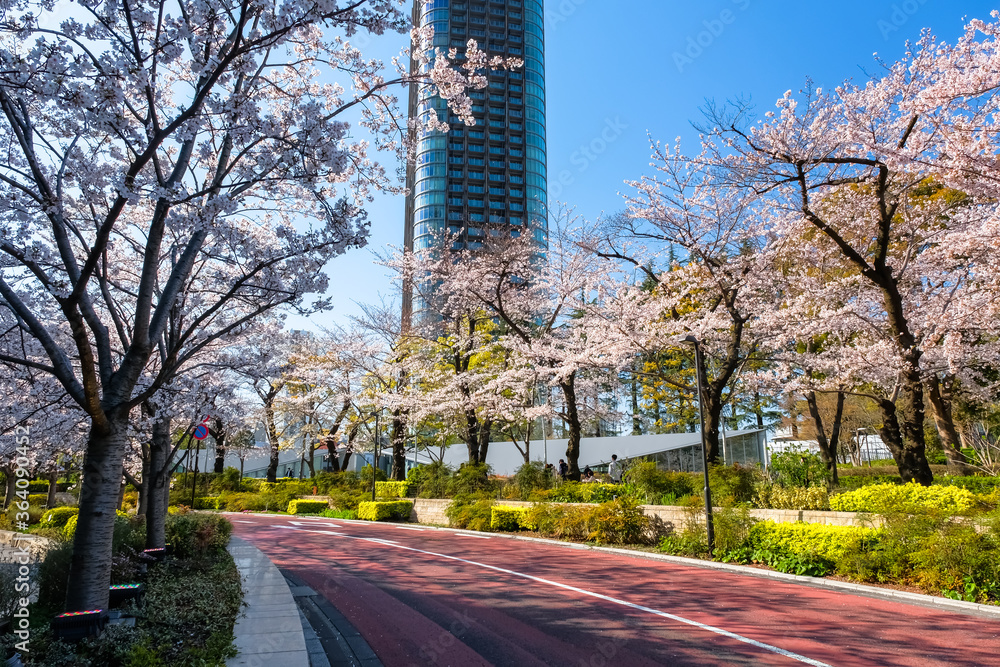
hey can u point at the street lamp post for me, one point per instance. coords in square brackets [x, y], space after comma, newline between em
[699, 364]
[375, 454]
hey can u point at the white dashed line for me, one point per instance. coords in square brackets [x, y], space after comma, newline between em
[582, 591]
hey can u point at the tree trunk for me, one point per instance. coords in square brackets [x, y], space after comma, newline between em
[472, 436]
[912, 462]
[310, 455]
[8, 471]
[144, 483]
[827, 448]
[398, 447]
[50, 500]
[485, 431]
[90, 567]
[636, 417]
[272, 440]
[824, 445]
[331, 450]
[568, 387]
[220, 447]
[838, 418]
[713, 419]
[158, 483]
[951, 442]
[758, 410]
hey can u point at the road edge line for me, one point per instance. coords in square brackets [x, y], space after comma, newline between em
[919, 599]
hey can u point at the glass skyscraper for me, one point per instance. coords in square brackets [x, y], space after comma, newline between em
[488, 178]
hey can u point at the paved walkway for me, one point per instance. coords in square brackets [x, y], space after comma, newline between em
[270, 630]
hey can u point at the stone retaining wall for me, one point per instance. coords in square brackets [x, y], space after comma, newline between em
[431, 511]
[427, 510]
[12, 542]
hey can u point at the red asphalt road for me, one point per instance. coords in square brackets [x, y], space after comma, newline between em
[416, 606]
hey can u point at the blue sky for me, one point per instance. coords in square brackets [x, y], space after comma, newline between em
[617, 73]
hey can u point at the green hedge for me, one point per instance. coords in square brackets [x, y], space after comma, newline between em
[828, 542]
[206, 503]
[772, 496]
[506, 517]
[904, 498]
[392, 489]
[58, 516]
[38, 498]
[378, 511]
[981, 485]
[237, 502]
[580, 492]
[195, 534]
[307, 506]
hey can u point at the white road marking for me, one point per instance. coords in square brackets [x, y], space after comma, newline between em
[420, 530]
[313, 523]
[478, 537]
[656, 612]
[241, 521]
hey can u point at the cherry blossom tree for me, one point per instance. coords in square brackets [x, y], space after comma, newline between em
[828, 166]
[539, 299]
[184, 130]
[709, 239]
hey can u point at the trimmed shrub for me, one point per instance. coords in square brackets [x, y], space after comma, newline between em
[981, 485]
[798, 467]
[792, 498]
[192, 535]
[505, 517]
[432, 479]
[339, 514]
[827, 542]
[559, 521]
[206, 503]
[379, 511]
[471, 511]
[300, 506]
[41, 487]
[857, 481]
[578, 492]
[470, 479]
[347, 499]
[620, 521]
[391, 489]
[229, 480]
[652, 484]
[910, 497]
[238, 502]
[734, 484]
[527, 479]
[37, 498]
[58, 516]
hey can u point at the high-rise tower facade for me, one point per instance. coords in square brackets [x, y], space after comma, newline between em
[488, 178]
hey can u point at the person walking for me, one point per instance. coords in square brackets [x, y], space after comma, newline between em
[615, 470]
[563, 469]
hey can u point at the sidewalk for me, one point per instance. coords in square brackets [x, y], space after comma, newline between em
[270, 630]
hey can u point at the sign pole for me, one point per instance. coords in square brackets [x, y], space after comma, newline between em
[200, 433]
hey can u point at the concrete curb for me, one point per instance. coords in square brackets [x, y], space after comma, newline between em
[269, 631]
[920, 599]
